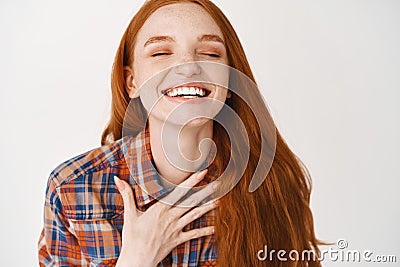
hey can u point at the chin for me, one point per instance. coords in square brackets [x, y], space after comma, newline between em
[198, 122]
[184, 122]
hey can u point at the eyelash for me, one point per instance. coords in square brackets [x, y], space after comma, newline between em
[212, 55]
[160, 54]
[165, 53]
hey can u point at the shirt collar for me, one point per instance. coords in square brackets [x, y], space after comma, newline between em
[144, 177]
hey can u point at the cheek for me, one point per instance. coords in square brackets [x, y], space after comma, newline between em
[141, 73]
[144, 70]
[221, 94]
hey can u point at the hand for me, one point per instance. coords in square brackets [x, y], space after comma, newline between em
[148, 237]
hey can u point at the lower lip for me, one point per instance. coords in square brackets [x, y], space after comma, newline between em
[196, 100]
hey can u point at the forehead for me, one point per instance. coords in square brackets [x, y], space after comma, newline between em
[178, 19]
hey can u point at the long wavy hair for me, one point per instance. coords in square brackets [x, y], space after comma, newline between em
[278, 213]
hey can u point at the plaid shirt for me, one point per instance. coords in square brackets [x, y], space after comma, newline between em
[84, 213]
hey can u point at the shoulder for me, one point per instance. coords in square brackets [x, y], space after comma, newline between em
[95, 160]
[85, 185]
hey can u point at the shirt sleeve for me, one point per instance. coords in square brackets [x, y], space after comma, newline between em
[57, 246]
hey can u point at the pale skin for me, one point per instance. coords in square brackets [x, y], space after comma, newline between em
[188, 34]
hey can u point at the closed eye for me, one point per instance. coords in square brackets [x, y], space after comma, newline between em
[212, 55]
[160, 54]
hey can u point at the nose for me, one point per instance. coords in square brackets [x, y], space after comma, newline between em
[188, 69]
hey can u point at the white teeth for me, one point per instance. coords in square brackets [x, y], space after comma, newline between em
[186, 92]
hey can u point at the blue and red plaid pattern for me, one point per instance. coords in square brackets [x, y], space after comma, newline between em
[84, 213]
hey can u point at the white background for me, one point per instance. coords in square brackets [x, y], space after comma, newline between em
[329, 71]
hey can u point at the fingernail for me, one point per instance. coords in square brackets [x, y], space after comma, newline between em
[201, 174]
[119, 184]
[213, 230]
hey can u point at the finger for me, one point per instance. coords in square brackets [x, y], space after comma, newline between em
[193, 200]
[196, 233]
[199, 196]
[184, 187]
[195, 214]
[127, 197]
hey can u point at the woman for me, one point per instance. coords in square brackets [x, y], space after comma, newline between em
[112, 205]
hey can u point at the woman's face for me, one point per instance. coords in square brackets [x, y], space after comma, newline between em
[173, 35]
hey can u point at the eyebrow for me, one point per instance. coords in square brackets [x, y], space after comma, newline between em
[212, 38]
[166, 38]
[156, 39]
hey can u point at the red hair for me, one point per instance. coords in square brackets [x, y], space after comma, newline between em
[277, 214]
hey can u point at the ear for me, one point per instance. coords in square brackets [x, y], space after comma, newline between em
[228, 94]
[130, 84]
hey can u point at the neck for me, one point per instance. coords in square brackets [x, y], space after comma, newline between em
[176, 151]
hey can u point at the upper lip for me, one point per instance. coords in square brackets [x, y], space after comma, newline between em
[205, 86]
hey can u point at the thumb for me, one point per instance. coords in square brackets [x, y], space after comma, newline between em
[127, 196]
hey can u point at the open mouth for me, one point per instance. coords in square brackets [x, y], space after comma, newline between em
[187, 92]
